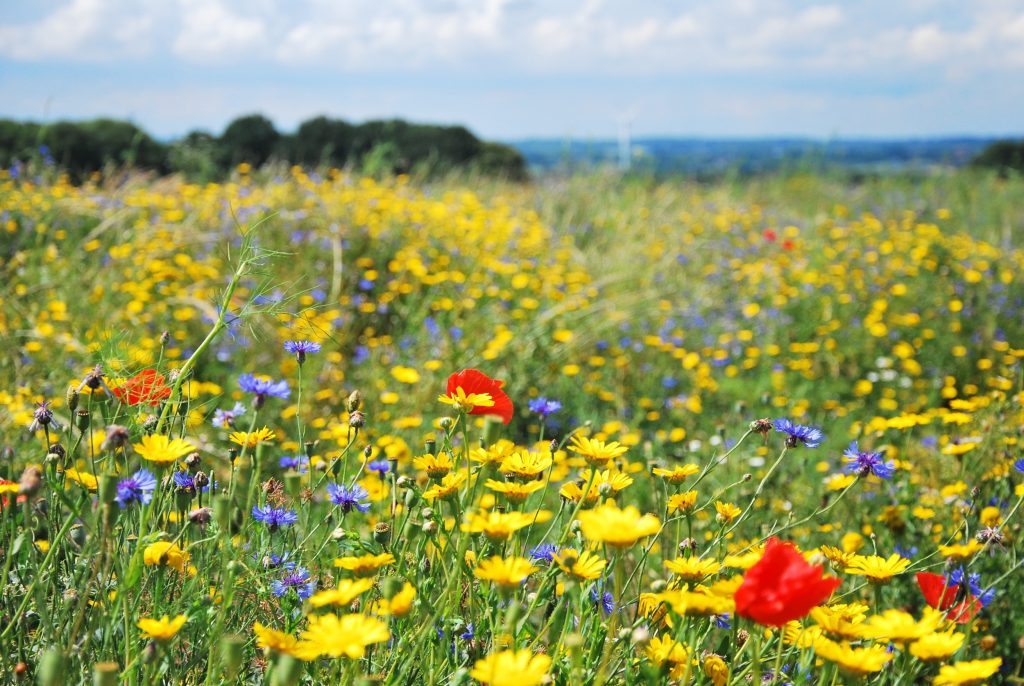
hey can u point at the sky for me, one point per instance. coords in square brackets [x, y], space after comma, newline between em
[514, 69]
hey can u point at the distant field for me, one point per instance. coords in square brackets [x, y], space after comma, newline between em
[658, 318]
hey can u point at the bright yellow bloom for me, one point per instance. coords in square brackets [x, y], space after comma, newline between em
[961, 551]
[514, 491]
[271, 639]
[399, 604]
[693, 568]
[744, 560]
[344, 636]
[684, 602]
[466, 403]
[84, 479]
[572, 492]
[937, 646]
[716, 669]
[167, 554]
[584, 566]
[512, 668]
[160, 448]
[498, 525]
[836, 622]
[857, 661]
[965, 673]
[897, 626]
[595, 452]
[662, 650]
[253, 439]
[346, 591]
[616, 481]
[619, 528]
[727, 512]
[436, 466]
[163, 629]
[364, 565]
[507, 573]
[677, 474]
[682, 502]
[496, 454]
[525, 464]
[447, 487]
[836, 556]
[877, 569]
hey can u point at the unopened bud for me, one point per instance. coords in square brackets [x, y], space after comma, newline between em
[355, 400]
[192, 460]
[82, 419]
[356, 419]
[748, 476]
[72, 399]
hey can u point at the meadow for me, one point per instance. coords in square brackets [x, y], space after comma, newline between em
[305, 428]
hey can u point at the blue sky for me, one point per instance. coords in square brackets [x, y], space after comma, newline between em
[521, 68]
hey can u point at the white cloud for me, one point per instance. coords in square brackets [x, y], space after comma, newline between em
[212, 32]
[82, 30]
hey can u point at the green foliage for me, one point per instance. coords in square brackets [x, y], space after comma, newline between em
[1004, 156]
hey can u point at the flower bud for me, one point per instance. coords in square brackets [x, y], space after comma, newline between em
[355, 400]
[192, 460]
[309, 447]
[72, 399]
[82, 419]
[356, 419]
[382, 532]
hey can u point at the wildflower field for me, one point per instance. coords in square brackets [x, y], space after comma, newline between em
[305, 428]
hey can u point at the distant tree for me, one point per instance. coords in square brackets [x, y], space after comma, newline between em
[1004, 156]
[196, 156]
[322, 141]
[251, 139]
[496, 159]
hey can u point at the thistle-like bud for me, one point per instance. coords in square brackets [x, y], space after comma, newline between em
[741, 637]
[192, 460]
[200, 481]
[356, 419]
[165, 337]
[368, 451]
[430, 527]
[200, 516]
[354, 402]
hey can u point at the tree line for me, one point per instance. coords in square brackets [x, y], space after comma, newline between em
[379, 146]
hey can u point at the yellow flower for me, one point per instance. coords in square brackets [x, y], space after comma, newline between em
[583, 566]
[837, 557]
[251, 440]
[682, 502]
[844, 620]
[572, 492]
[937, 646]
[399, 604]
[447, 487]
[662, 650]
[616, 481]
[877, 569]
[858, 661]
[693, 568]
[344, 636]
[84, 479]
[727, 512]
[901, 627]
[595, 452]
[274, 640]
[167, 554]
[744, 560]
[965, 673]
[684, 602]
[716, 669]
[513, 491]
[162, 629]
[512, 668]
[364, 565]
[961, 551]
[160, 448]
[677, 474]
[498, 525]
[619, 528]
[507, 573]
[346, 591]
[496, 454]
[436, 466]
[525, 464]
[466, 403]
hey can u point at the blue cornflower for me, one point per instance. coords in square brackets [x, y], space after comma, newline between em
[1019, 465]
[469, 634]
[184, 482]
[273, 561]
[301, 348]
[543, 406]
[797, 434]
[908, 552]
[226, 418]
[971, 583]
[348, 498]
[263, 388]
[297, 579]
[605, 600]
[274, 517]
[139, 486]
[379, 466]
[862, 463]
[543, 552]
[722, 621]
[298, 463]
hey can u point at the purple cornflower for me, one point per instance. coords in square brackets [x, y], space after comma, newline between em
[223, 419]
[605, 601]
[263, 388]
[543, 552]
[543, 406]
[722, 621]
[797, 434]
[1019, 465]
[863, 463]
[379, 466]
[970, 584]
[274, 517]
[348, 498]
[184, 482]
[301, 348]
[139, 486]
[298, 579]
[298, 463]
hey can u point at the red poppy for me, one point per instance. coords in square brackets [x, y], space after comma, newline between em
[145, 387]
[473, 381]
[943, 597]
[782, 586]
[769, 235]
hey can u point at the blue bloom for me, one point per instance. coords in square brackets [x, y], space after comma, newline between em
[543, 406]
[184, 481]
[380, 466]
[139, 486]
[722, 621]
[797, 434]
[263, 388]
[274, 517]
[543, 552]
[226, 418]
[970, 583]
[1019, 465]
[297, 579]
[605, 600]
[301, 348]
[299, 463]
[348, 498]
[469, 634]
[908, 553]
[273, 561]
[862, 463]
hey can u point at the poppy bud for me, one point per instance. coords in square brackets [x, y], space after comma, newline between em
[82, 419]
[431, 446]
[382, 532]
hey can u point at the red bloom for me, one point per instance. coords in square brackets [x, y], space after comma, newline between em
[769, 235]
[782, 586]
[473, 381]
[145, 387]
[942, 597]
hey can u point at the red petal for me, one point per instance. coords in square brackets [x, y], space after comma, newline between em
[935, 591]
